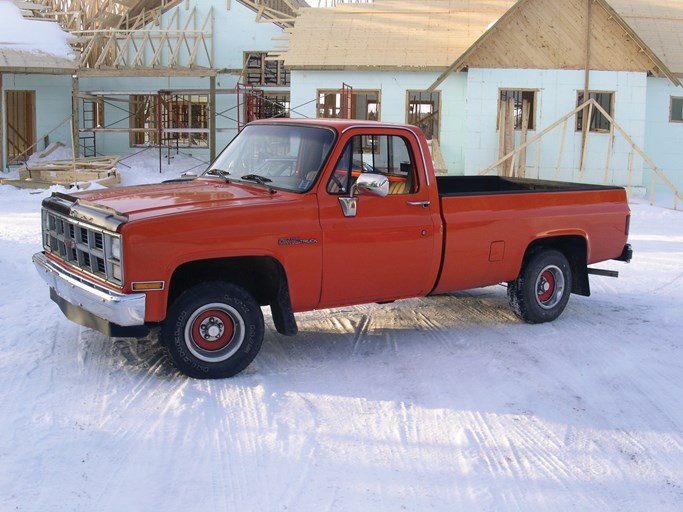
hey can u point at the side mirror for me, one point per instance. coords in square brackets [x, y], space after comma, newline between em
[375, 184]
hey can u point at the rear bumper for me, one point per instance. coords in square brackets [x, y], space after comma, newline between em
[90, 304]
[626, 254]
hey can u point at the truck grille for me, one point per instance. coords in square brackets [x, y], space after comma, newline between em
[86, 247]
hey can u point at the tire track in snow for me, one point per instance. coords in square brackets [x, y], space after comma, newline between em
[362, 329]
[521, 451]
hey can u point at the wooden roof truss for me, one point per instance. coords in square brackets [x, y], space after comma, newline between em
[76, 15]
[175, 44]
[115, 35]
[281, 12]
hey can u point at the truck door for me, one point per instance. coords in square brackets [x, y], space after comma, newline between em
[386, 250]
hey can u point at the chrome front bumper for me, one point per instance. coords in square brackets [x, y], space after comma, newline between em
[117, 308]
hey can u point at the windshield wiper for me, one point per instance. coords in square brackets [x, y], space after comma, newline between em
[256, 178]
[218, 172]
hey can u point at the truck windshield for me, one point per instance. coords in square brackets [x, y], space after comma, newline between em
[283, 156]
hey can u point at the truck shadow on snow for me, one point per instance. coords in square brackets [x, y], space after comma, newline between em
[462, 351]
[425, 330]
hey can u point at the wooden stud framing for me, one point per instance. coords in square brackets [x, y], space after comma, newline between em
[635, 149]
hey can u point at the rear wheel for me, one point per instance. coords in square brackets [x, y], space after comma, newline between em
[542, 290]
[213, 330]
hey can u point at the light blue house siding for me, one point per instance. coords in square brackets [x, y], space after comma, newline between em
[393, 87]
[556, 97]
[663, 138]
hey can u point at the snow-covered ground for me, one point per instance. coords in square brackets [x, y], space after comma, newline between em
[448, 403]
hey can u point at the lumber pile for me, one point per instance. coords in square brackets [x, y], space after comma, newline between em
[79, 172]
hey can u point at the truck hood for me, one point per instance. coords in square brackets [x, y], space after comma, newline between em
[142, 201]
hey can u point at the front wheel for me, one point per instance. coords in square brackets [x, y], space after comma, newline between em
[542, 290]
[213, 330]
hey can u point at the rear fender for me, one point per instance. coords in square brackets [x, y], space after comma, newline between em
[575, 249]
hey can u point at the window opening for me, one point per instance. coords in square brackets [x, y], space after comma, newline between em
[365, 105]
[20, 125]
[598, 122]
[261, 71]
[267, 106]
[181, 119]
[521, 98]
[423, 112]
[676, 110]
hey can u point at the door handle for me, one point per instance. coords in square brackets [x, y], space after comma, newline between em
[424, 204]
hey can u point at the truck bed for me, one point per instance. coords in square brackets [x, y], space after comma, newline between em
[477, 185]
[490, 221]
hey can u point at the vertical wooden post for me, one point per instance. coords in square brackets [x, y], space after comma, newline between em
[584, 139]
[501, 135]
[510, 134]
[212, 118]
[630, 169]
[75, 117]
[537, 160]
[587, 73]
[521, 169]
[160, 133]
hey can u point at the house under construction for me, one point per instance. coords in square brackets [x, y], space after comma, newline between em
[174, 74]
[583, 90]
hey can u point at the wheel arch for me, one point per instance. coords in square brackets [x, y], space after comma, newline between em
[264, 277]
[575, 249]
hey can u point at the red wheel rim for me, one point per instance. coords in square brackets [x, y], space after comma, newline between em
[213, 330]
[546, 286]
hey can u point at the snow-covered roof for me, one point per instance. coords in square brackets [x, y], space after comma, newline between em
[32, 46]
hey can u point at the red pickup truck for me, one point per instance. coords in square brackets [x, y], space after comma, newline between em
[310, 214]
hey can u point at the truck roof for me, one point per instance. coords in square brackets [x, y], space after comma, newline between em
[338, 124]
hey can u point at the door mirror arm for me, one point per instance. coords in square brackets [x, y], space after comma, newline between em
[370, 183]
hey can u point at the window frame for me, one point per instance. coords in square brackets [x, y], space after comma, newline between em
[534, 103]
[147, 110]
[435, 102]
[671, 109]
[595, 113]
[359, 142]
[268, 105]
[337, 106]
[257, 73]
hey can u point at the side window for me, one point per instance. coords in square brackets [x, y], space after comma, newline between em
[340, 181]
[380, 154]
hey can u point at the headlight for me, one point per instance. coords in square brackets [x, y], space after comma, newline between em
[116, 248]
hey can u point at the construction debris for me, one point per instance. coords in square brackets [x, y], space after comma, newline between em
[79, 172]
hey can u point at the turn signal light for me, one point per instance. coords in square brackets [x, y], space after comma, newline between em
[148, 286]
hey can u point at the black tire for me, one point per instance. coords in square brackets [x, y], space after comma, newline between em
[542, 290]
[213, 330]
